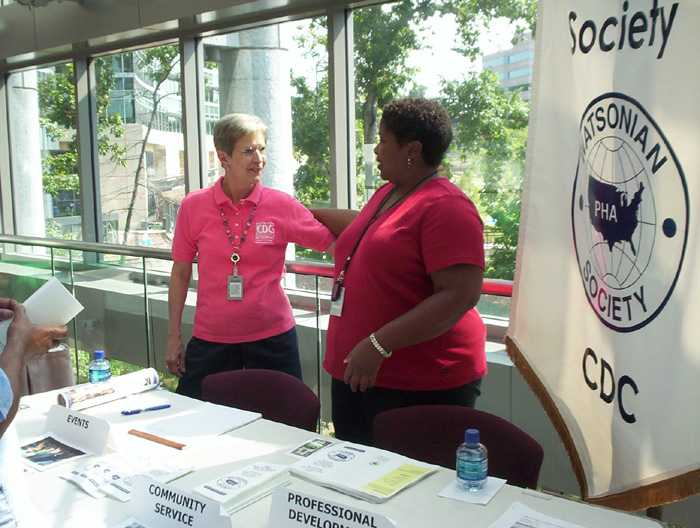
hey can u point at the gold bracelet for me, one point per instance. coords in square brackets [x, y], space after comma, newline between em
[382, 351]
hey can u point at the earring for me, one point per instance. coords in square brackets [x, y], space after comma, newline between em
[409, 162]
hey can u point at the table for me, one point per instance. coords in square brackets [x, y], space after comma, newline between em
[419, 506]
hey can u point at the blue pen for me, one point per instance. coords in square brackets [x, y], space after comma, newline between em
[154, 408]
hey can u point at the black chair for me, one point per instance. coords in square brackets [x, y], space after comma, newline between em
[276, 395]
[431, 433]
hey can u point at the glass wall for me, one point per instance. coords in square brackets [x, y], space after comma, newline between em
[438, 53]
[279, 73]
[141, 145]
[44, 153]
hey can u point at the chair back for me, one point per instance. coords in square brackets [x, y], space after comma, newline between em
[432, 433]
[276, 395]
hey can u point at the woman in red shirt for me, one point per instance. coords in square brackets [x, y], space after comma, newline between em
[408, 273]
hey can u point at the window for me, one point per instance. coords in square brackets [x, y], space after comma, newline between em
[44, 152]
[521, 56]
[279, 73]
[428, 54]
[140, 142]
[519, 72]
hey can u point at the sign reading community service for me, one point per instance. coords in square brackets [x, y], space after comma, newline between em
[293, 509]
[607, 292]
[158, 505]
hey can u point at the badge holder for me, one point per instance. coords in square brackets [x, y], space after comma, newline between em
[337, 298]
[234, 283]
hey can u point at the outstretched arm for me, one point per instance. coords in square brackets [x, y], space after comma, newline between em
[335, 219]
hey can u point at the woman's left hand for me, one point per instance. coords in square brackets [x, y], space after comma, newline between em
[362, 366]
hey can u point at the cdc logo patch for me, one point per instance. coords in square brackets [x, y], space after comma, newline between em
[629, 213]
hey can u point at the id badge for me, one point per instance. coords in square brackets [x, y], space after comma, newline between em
[337, 301]
[234, 288]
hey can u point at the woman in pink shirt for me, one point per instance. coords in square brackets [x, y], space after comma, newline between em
[403, 327]
[238, 230]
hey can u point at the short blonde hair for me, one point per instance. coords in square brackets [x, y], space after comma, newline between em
[232, 127]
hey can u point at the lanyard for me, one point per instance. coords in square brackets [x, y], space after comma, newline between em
[341, 276]
[236, 246]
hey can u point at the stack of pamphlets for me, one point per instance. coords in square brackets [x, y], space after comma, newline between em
[91, 394]
[238, 489]
[364, 472]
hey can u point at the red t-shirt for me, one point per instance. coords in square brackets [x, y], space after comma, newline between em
[435, 227]
[279, 219]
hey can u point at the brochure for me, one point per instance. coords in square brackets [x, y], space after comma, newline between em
[47, 452]
[364, 472]
[238, 489]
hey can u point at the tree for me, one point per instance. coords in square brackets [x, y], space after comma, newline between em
[157, 65]
[490, 124]
[58, 117]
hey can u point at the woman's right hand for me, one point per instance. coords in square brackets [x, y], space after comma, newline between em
[175, 355]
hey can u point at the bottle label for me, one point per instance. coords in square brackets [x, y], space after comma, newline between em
[98, 375]
[472, 469]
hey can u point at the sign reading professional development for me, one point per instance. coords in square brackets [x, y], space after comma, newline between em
[604, 320]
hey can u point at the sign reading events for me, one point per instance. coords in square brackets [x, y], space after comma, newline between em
[604, 317]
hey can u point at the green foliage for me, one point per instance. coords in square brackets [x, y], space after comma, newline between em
[58, 117]
[490, 128]
[311, 141]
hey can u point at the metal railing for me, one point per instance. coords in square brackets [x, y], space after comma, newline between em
[125, 299]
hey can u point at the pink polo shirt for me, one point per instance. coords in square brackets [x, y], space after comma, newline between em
[278, 220]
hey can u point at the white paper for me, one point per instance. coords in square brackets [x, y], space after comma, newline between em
[309, 447]
[520, 516]
[240, 488]
[52, 304]
[364, 472]
[198, 424]
[454, 491]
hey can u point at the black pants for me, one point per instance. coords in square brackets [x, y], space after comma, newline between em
[280, 352]
[354, 412]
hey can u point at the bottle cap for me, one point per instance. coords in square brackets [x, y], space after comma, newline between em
[98, 354]
[471, 436]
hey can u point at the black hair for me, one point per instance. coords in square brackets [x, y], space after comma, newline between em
[418, 119]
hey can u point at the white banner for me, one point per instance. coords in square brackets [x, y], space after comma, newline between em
[605, 312]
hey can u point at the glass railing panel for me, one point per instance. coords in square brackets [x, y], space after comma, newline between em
[23, 269]
[113, 319]
[158, 279]
[494, 306]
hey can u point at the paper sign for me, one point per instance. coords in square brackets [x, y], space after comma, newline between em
[292, 509]
[52, 304]
[158, 505]
[79, 430]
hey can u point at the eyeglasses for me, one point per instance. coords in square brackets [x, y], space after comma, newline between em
[250, 151]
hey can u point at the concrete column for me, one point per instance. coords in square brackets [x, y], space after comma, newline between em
[25, 148]
[254, 79]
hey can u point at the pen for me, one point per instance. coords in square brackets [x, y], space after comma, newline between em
[154, 408]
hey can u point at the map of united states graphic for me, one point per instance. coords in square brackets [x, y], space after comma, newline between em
[612, 214]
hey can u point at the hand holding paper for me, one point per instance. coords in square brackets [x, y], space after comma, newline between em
[51, 306]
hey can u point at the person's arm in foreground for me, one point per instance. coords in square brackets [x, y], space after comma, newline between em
[335, 219]
[23, 341]
[456, 290]
[177, 294]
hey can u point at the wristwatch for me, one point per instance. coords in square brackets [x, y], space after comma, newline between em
[382, 351]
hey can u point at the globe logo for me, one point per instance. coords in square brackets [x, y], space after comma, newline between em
[629, 213]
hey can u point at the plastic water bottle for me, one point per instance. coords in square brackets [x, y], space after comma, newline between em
[99, 369]
[472, 462]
